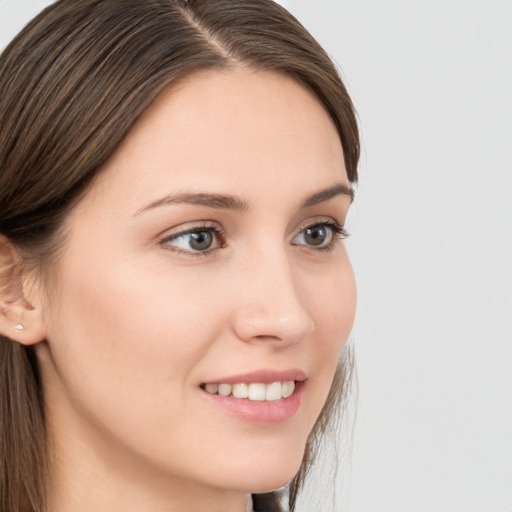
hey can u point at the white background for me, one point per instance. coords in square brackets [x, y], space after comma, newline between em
[431, 246]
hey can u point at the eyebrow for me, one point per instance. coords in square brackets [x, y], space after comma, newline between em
[340, 189]
[229, 202]
[215, 201]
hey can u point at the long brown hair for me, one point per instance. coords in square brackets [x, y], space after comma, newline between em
[72, 84]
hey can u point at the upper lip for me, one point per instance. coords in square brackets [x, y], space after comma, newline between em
[264, 376]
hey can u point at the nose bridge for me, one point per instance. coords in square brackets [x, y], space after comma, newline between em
[270, 306]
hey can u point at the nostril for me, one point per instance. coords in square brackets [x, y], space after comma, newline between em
[264, 337]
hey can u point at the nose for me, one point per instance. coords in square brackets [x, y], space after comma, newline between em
[270, 305]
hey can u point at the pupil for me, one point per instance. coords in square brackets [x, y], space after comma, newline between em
[316, 235]
[201, 240]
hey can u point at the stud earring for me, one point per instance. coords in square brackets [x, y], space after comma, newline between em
[19, 327]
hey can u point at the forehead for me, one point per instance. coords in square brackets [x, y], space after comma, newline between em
[233, 131]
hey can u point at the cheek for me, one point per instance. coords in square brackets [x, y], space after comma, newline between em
[334, 306]
[332, 299]
[121, 342]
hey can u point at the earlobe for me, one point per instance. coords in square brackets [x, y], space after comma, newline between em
[20, 321]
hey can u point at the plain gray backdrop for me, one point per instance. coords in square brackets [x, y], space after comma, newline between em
[431, 246]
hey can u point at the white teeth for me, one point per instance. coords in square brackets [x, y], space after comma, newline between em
[240, 390]
[257, 391]
[212, 388]
[254, 391]
[273, 392]
[225, 389]
[288, 388]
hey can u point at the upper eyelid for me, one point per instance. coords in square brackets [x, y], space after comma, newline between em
[215, 226]
[190, 228]
[320, 220]
[334, 225]
[210, 225]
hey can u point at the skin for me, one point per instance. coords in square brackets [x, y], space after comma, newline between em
[138, 321]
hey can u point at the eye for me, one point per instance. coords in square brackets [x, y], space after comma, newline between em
[195, 241]
[320, 236]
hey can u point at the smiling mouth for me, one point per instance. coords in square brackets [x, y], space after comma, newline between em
[254, 391]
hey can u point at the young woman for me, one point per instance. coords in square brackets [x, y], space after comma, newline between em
[175, 294]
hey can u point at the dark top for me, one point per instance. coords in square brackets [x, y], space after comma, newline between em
[268, 502]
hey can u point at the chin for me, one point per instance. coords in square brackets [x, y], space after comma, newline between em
[269, 485]
[261, 476]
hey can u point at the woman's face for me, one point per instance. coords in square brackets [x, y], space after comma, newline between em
[207, 252]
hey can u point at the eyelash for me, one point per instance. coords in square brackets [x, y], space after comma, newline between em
[338, 233]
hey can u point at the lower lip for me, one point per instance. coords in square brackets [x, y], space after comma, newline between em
[259, 412]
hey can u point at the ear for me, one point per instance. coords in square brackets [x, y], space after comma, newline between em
[20, 320]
